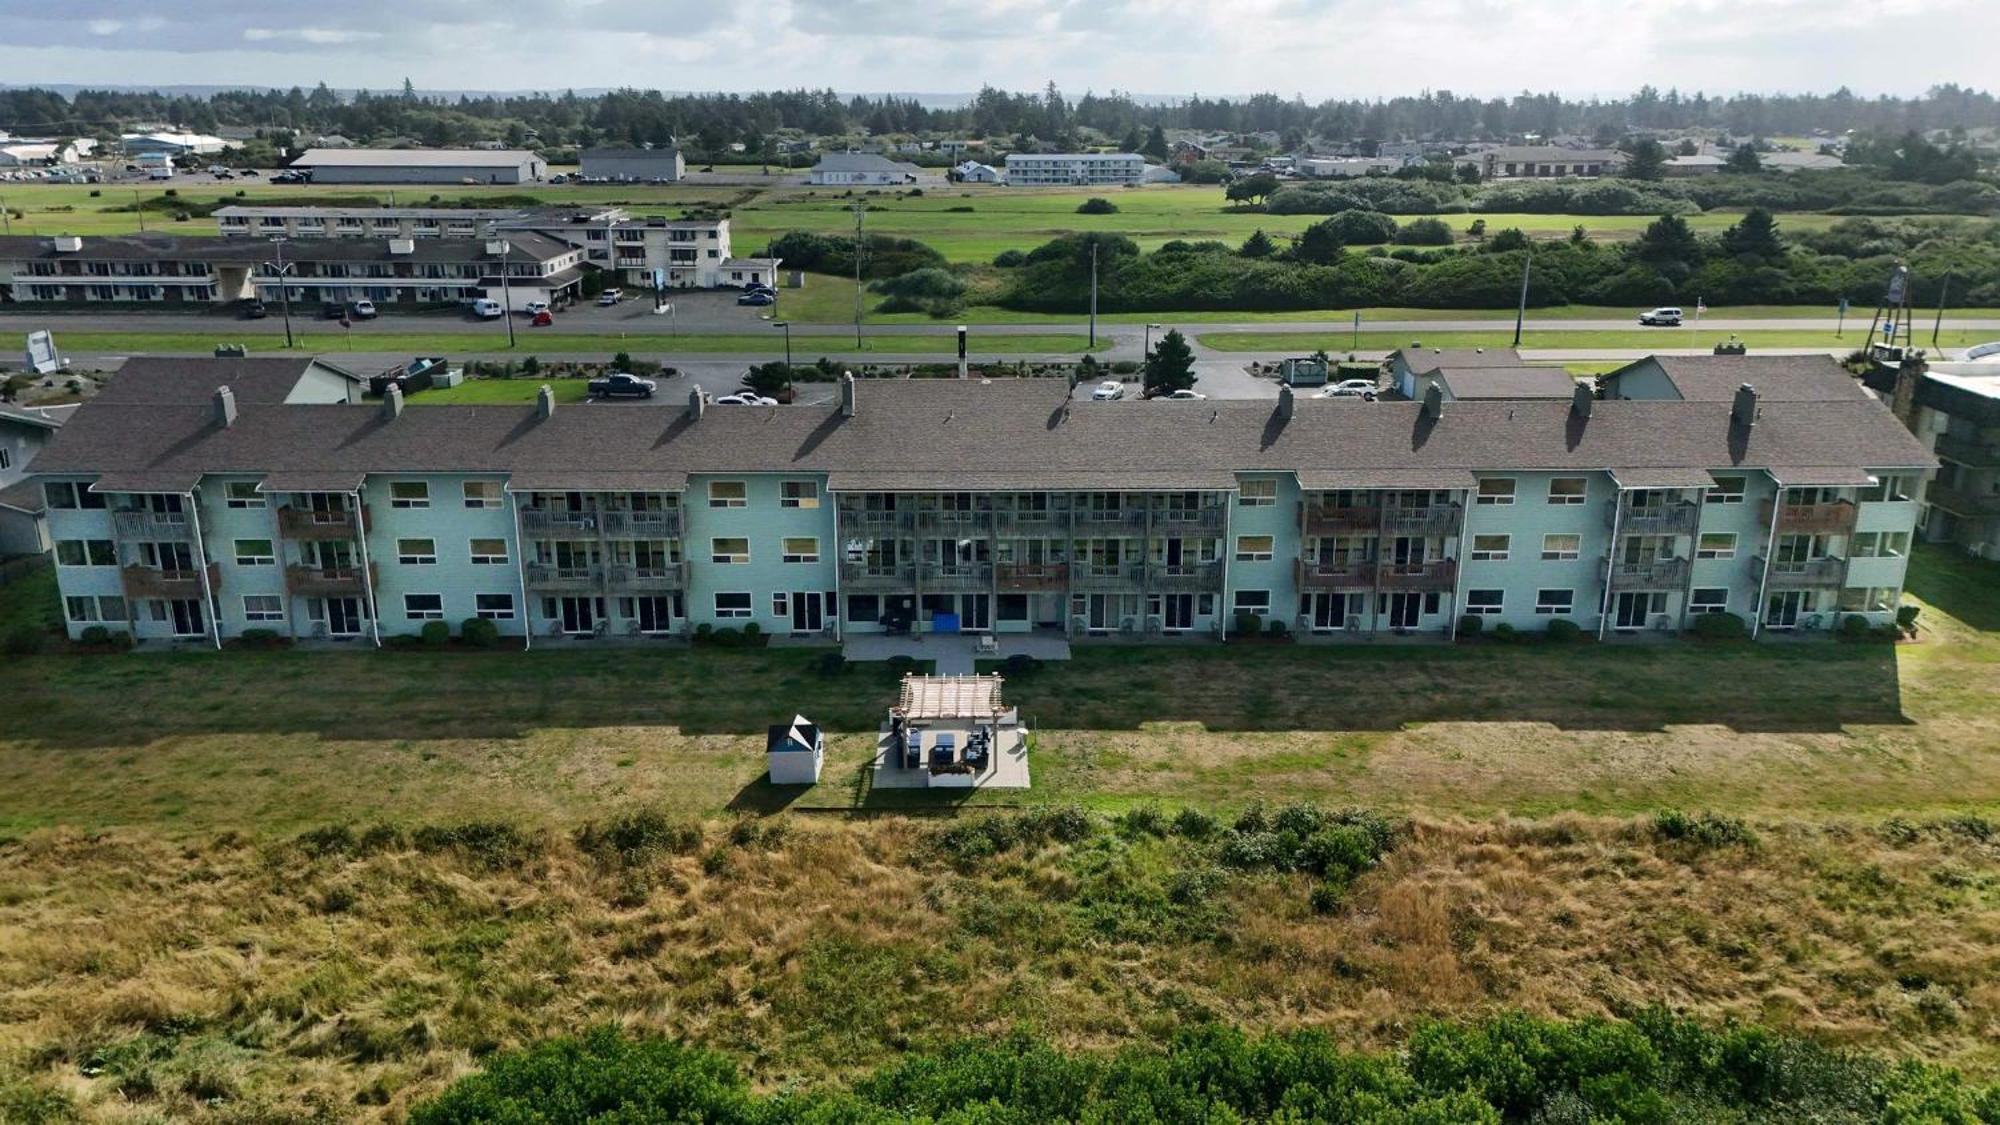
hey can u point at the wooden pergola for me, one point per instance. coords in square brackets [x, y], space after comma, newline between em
[931, 699]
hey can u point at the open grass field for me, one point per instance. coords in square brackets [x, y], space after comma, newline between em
[320, 885]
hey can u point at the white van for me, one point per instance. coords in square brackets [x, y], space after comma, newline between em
[485, 308]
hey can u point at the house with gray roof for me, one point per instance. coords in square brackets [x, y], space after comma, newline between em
[861, 169]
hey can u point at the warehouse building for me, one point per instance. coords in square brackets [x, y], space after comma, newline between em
[633, 164]
[422, 166]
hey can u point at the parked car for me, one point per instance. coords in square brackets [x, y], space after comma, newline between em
[623, 384]
[248, 172]
[610, 297]
[745, 398]
[1666, 316]
[254, 310]
[759, 287]
[559, 178]
[1108, 390]
[362, 310]
[485, 308]
[535, 308]
[225, 174]
[542, 319]
[1351, 388]
[332, 310]
[1185, 396]
[758, 298]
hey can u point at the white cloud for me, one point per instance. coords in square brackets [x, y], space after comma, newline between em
[318, 36]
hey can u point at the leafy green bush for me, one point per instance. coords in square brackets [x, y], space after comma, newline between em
[901, 666]
[1008, 259]
[636, 837]
[1719, 627]
[1193, 824]
[95, 636]
[1906, 618]
[1248, 625]
[1854, 627]
[1505, 633]
[478, 632]
[436, 634]
[1020, 664]
[1471, 624]
[1707, 830]
[1097, 205]
[1562, 629]
[492, 843]
[1425, 232]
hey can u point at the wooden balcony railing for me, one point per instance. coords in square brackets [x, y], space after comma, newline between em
[1329, 519]
[633, 578]
[1438, 575]
[1436, 520]
[1113, 576]
[1312, 574]
[1031, 576]
[173, 585]
[142, 523]
[580, 579]
[1680, 518]
[864, 576]
[1804, 574]
[324, 581]
[1650, 574]
[1836, 518]
[312, 524]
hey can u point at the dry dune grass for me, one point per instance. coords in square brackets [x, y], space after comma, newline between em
[228, 979]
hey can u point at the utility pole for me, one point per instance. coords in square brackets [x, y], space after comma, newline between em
[507, 291]
[282, 268]
[141, 208]
[1093, 293]
[860, 214]
[1944, 292]
[1521, 312]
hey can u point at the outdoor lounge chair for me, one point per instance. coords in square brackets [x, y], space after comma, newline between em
[978, 750]
[913, 749]
[944, 750]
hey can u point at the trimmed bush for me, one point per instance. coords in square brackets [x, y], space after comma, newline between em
[262, 638]
[96, 636]
[1563, 630]
[1248, 625]
[436, 634]
[1470, 625]
[1906, 618]
[1020, 664]
[1506, 633]
[1854, 627]
[1719, 627]
[1096, 205]
[1277, 627]
[1707, 830]
[478, 632]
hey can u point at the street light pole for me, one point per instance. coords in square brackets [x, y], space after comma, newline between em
[787, 326]
[1147, 352]
[282, 268]
[507, 291]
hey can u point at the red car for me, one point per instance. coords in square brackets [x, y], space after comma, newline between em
[543, 319]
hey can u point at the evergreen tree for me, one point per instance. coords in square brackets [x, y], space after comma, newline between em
[1156, 144]
[1668, 239]
[1171, 366]
[1258, 245]
[1744, 159]
[1754, 236]
[1645, 159]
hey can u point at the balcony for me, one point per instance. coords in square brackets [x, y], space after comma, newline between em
[1436, 520]
[1018, 577]
[1101, 522]
[1330, 519]
[1836, 518]
[664, 523]
[1106, 576]
[1960, 502]
[173, 585]
[1970, 452]
[141, 523]
[311, 524]
[1031, 525]
[1190, 521]
[580, 579]
[1175, 577]
[1313, 574]
[956, 522]
[1655, 519]
[1648, 574]
[630, 578]
[1804, 574]
[863, 577]
[875, 522]
[957, 576]
[324, 581]
[544, 521]
[1441, 574]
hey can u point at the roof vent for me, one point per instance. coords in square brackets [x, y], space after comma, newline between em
[696, 403]
[1287, 402]
[402, 246]
[1581, 399]
[225, 407]
[1433, 402]
[1744, 412]
[68, 243]
[847, 394]
[496, 247]
[392, 402]
[545, 402]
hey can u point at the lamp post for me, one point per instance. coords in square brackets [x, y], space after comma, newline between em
[282, 269]
[1147, 352]
[787, 326]
[507, 291]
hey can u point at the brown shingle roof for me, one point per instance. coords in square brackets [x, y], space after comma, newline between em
[1778, 378]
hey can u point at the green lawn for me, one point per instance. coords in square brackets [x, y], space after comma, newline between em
[535, 342]
[1531, 337]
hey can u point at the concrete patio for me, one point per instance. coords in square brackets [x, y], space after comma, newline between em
[1007, 768]
[954, 653]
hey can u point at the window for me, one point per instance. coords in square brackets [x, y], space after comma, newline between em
[1557, 548]
[482, 494]
[797, 494]
[1878, 544]
[1568, 490]
[416, 552]
[263, 607]
[488, 552]
[1258, 493]
[729, 550]
[864, 609]
[1709, 599]
[80, 609]
[423, 607]
[1490, 548]
[781, 604]
[801, 550]
[493, 607]
[727, 494]
[59, 494]
[732, 605]
[1253, 601]
[1716, 545]
[1253, 548]
[86, 552]
[1496, 490]
[1867, 599]
[255, 552]
[1488, 602]
[1727, 490]
[409, 494]
[242, 494]
[1887, 488]
[6, 458]
[1554, 601]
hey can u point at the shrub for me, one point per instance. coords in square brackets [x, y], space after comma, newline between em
[1143, 820]
[478, 632]
[1563, 630]
[1248, 625]
[638, 836]
[96, 636]
[902, 665]
[1328, 896]
[1906, 618]
[1276, 627]
[494, 844]
[1708, 830]
[1096, 206]
[1020, 664]
[1194, 824]
[1008, 259]
[1854, 627]
[1469, 625]
[1505, 633]
[1424, 232]
[262, 638]
[1719, 627]
[436, 634]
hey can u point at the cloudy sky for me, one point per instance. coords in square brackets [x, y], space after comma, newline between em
[1317, 48]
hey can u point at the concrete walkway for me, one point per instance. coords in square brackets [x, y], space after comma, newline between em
[953, 653]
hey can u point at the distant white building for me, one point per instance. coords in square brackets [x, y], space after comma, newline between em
[422, 166]
[857, 169]
[173, 144]
[633, 164]
[1080, 169]
[973, 172]
[1321, 167]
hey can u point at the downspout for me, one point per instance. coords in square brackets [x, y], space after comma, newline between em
[1611, 558]
[209, 607]
[521, 570]
[1770, 545]
[1227, 550]
[367, 568]
[1694, 553]
[839, 553]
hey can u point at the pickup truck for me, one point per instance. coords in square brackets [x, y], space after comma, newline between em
[622, 384]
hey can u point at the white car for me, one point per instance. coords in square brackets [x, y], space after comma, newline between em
[487, 309]
[535, 308]
[1351, 388]
[745, 398]
[1185, 396]
[1665, 316]
[610, 297]
[1108, 390]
